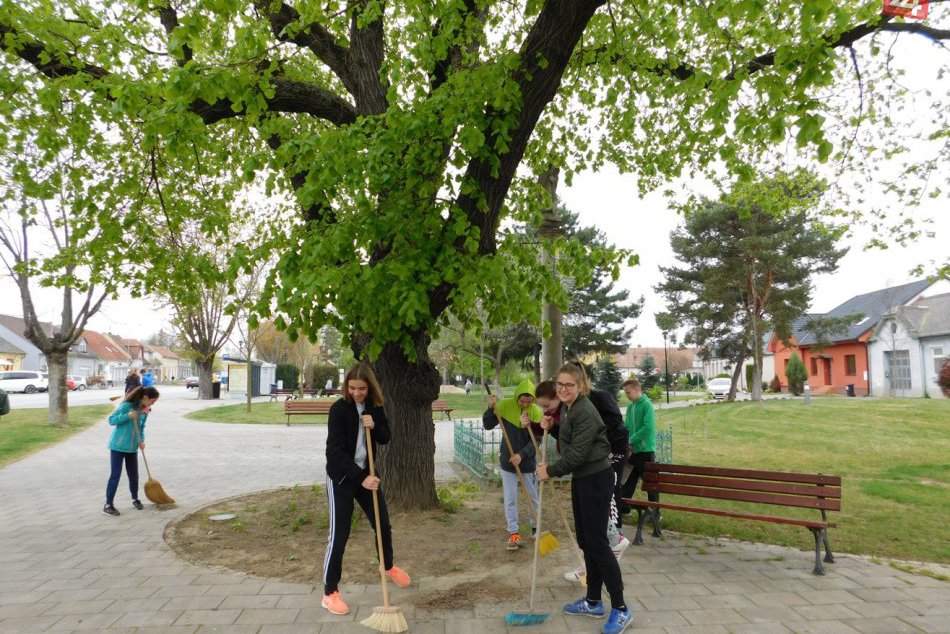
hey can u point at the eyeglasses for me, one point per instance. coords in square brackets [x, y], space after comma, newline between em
[566, 386]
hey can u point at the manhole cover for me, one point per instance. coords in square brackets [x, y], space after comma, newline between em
[222, 517]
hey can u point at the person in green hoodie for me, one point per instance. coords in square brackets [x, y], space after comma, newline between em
[585, 454]
[516, 413]
[641, 425]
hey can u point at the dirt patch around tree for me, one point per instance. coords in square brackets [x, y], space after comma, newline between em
[282, 534]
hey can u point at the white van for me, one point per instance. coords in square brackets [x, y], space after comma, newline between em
[25, 381]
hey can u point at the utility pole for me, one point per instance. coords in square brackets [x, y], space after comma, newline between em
[666, 368]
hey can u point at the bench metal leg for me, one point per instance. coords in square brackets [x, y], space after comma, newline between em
[641, 517]
[819, 569]
[829, 558]
[654, 518]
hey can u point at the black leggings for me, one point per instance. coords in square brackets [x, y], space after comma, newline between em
[131, 460]
[590, 498]
[341, 498]
[630, 486]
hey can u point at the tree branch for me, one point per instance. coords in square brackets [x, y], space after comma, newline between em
[364, 62]
[169, 18]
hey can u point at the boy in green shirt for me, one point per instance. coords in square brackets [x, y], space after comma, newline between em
[641, 426]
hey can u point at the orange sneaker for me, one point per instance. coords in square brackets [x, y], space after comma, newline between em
[514, 540]
[398, 576]
[334, 603]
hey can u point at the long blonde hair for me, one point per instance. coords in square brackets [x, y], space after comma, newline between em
[363, 372]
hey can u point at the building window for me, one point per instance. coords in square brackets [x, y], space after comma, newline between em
[850, 365]
[939, 358]
[82, 346]
[814, 366]
[898, 366]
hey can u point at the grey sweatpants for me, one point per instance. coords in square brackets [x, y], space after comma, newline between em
[511, 486]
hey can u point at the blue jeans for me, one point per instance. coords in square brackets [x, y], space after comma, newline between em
[131, 461]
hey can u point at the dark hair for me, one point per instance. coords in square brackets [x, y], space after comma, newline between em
[363, 372]
[135, 396]
[546, 389]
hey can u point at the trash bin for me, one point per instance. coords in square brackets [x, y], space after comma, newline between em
[216, 389]
[849, 389]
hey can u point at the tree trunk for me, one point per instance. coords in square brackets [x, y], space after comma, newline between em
[735, 379]
[58, 401]
[756, 387]
[205, 368]
[407, 463]
[250, 380]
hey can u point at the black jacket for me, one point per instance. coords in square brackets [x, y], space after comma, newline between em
[343, 428]
[520, 443]
[132, 381]
[613, 420]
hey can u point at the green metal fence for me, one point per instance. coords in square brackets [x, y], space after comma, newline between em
[477, 449]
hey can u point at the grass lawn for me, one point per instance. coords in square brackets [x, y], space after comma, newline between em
[24, 431]
[893, 456]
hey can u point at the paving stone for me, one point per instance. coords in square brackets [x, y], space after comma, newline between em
[886, 625]
[712, 616]
[193, 603]
[830, 611]
[757, 628]
[80, 607]
[933, 623]
[21, 610]
[248, 601]
[85, 622]
[820, 627]
[153, 618]
[208, 617]
[697, 629]
[260, 616]
[725, 601]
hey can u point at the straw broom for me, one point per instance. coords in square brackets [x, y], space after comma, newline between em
[153, 489]
[532, 617]
[385, 618]
[548, 542]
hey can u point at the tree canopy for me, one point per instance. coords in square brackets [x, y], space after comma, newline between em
[407, 134]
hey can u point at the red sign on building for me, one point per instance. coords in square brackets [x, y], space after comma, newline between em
[914, 9]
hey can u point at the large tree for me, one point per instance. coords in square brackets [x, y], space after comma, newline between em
[401, 129]
[745, 261]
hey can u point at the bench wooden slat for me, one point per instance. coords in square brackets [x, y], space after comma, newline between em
[749, 485]
[744, 496]
[777, 476]
[747, 516]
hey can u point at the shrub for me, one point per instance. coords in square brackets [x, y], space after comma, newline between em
[319, 373]
[796, 374]
[776, 385]
[289, 374]
[607, 377]
[655, 394]
[749, 370]
[944, 379]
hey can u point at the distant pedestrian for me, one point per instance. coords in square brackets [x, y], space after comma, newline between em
[132, 380]
[127, 438]
[468, 386]
[329, 384]
[148, 379]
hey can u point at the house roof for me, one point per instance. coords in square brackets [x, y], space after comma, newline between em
[633, 357]
[6, 347]
[928, 316]
[104, 347]
[18, 325]
[161, 350]
[872, 305]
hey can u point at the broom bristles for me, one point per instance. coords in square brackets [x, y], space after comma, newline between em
[386, 618]
[549, 543]
[155, 493]
[526, 618]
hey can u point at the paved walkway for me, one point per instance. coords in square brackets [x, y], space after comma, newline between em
[65, 566]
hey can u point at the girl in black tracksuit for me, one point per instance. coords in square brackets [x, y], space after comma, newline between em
[348, 478]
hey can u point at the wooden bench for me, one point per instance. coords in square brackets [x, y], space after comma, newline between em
[298, 407]
[439, 405]
[798, 490]
[285, 394]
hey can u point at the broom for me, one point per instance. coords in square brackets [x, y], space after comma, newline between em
[153, 489]
[549, 542]
[531, 617]
[560, 509]
[385, 618]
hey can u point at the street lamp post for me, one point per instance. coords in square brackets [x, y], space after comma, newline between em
[666, 368]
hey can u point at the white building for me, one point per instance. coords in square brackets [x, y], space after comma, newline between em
[908, 347]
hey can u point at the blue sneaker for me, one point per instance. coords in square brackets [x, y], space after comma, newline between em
[618, 621]
[582, 608]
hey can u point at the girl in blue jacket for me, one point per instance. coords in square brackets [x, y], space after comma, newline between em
[124, 444]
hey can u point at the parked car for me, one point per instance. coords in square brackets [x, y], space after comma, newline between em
[719, 388]
[25, 381]
[70, 384]
[78, 382]
[191, 381]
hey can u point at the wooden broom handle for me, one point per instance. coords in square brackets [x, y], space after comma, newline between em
[379, 532]
[135, 429]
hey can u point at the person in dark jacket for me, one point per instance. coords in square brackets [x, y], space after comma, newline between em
[348, 477]
[516, 413]
[132, 380]
[585, 454]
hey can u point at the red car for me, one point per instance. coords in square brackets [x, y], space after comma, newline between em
[70, 384]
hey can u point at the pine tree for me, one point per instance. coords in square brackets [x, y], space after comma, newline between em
[607, 377]
[796, 374]
[647, 372]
